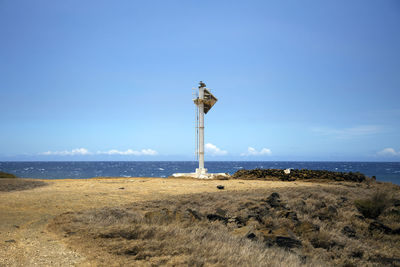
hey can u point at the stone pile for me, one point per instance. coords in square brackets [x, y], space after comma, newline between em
[303, 174]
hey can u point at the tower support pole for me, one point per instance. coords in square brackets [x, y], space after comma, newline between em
[201, 129]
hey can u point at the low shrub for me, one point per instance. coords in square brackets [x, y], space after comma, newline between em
[372, 207]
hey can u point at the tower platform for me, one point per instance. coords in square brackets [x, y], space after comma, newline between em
[201, 174]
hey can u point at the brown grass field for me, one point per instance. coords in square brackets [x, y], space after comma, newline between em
[188, 222]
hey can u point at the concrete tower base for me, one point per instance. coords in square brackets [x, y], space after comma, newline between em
[201, 174]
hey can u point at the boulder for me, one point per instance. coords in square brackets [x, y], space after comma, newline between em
[216, 217]
[281, 237]
[274, 200]
[349, 231]
[379, 227]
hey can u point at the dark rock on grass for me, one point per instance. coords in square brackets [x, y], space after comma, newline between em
[220, 187]
[274, 200]
[322, 243]
[10, 241]
[281, 237]
[380, 227]
[251, 236]
[221, 212]
[396, 202]
[357, 254]
[132, 251]
[287, 242]
[349, 231]
[216, 217]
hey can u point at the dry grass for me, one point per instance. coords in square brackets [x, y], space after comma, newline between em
[238, 228]
[16, 184]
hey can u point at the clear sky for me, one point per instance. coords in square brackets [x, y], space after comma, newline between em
[112, 80]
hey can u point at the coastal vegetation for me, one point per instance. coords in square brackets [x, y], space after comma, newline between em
[7, 175]
[328, 224]
[17, 184]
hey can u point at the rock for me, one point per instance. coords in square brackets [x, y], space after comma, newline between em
[320, 205]
[10, 241]
[287, 242]
[349, 231]
[276, 174]
[380, 227]
[220, 187]
[121, 188]
[318, 242]
[396, 203]
[251, 236]
[216, 217]
[236, 221]
[357, 254]
[332, 210]
[274, 200]
[221, 212]
[281, 237]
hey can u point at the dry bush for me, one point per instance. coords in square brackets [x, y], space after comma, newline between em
[374, 206]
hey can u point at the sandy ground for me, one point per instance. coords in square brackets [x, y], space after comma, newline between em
[24, 240]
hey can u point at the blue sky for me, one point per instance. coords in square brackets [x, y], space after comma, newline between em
[112, 80]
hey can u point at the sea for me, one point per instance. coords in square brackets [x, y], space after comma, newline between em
[383, 171]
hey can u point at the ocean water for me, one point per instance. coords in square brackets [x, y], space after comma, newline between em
[384, 171]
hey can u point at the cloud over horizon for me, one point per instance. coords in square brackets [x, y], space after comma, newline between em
[84, 151]
[214, 150]
[73, 152]
[143, 152]
[251, 151]
[389, 151]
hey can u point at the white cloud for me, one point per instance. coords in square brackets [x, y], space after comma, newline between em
[214, 150]
[84, 151]
[73, 152]
[143, 152]
[351, 132]
[251, 151]
[388, 152]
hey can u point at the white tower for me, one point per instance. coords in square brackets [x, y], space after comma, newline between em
[204, 101]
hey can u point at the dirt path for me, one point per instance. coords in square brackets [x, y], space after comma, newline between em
[24, 215]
